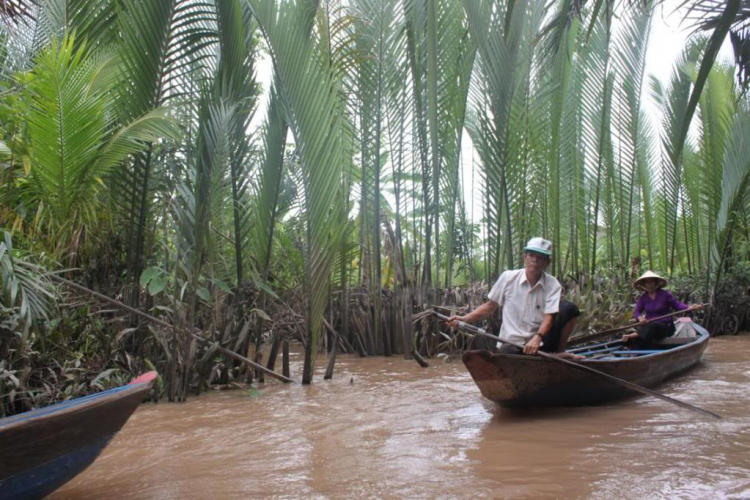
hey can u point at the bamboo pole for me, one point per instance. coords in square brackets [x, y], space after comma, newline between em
[334, 349]
[285, 357]
[275, 345]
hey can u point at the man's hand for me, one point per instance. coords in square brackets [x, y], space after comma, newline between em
[484, 311]
[532, 346]
[453, 321]
[642, 320]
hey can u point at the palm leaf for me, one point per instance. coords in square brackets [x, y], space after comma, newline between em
[735, 187]
[237, 87]
[675, 122]
[314, 111]
[503, 38]
[629, 65]
[718, 105]
[164, 48]
[24, 284]
[77, 149]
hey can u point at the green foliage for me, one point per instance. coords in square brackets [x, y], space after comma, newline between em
[27, 294]
[154, 280]
[75, 151]
[504, 39]
[735, 192]
[314, 110]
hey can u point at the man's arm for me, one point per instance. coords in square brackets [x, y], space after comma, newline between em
[532, 346]
[546, 324]
[484, 311]
[495, 300]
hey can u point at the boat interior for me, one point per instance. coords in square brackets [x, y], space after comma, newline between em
[618, 350]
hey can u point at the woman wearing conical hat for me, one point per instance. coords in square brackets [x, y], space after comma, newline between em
[654, 302]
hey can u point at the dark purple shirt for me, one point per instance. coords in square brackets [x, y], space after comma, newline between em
[663, 303]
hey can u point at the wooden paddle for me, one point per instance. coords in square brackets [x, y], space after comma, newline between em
[606, 333]
[588, 369]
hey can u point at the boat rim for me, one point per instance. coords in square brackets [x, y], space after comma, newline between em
[91, 400]
[700, 337]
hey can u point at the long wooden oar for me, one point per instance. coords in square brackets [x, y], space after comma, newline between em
[578, 366]
[153, 319]
[606, 333]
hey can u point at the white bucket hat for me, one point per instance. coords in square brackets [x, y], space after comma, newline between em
[539, 245]
[649, 275]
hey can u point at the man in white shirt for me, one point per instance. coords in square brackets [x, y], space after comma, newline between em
[530, 301]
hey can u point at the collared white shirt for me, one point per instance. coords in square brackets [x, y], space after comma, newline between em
[524, 306]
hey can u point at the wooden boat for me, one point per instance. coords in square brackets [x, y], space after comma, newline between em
[530, 381]
[43, 449]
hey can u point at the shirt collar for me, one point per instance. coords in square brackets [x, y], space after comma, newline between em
[526, 280]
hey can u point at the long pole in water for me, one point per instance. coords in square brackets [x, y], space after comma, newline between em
[153, 319]
[588, 369]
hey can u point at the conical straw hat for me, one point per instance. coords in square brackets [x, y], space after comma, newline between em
[649, 274]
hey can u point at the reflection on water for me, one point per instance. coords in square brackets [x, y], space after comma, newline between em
[388, 428]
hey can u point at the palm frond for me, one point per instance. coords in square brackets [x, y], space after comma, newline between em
[75, 152]
[629, 65]
[503, 37]
[314, 110]
[238, 88]
[717, 108]
[673, 141]
[164, 50]
[268, 186]
[735, 187]
[93, 21]
[24, 284]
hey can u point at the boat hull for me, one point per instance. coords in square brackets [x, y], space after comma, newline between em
[44, 449]
[530, 381]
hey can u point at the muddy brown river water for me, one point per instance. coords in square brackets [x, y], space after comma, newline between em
[386, 428]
